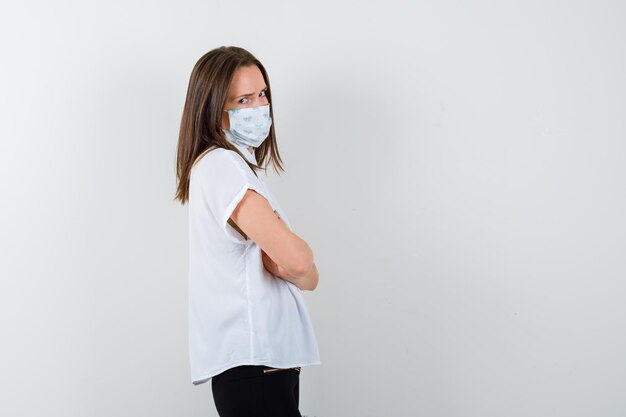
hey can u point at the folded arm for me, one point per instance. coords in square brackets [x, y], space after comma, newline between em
[291, 257]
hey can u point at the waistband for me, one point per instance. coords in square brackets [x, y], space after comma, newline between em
[244, 371]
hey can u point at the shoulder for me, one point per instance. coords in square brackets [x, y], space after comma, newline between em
[219, 160]
[223, 166]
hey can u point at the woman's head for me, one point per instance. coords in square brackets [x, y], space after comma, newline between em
[225, 78]
[247, 89]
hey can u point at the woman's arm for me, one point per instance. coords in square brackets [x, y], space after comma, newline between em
[307, 281]
[293, 257]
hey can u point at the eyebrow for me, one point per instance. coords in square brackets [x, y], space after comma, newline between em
[249, 94]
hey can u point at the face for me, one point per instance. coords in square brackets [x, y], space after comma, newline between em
[247, 89]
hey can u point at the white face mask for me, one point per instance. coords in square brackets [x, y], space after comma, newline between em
[249, 126]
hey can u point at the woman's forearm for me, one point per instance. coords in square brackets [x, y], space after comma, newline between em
[307, 281]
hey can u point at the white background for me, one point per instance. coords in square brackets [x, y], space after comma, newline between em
[457, 167]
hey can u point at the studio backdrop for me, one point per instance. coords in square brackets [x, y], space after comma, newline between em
[458, 169]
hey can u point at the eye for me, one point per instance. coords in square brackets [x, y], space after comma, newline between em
[242, 101]
[263, 93]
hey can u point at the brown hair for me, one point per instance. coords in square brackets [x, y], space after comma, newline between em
[201, 124]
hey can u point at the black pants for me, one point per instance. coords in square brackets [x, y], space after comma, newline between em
[247, 391]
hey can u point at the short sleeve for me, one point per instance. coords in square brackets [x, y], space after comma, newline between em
[225, 179]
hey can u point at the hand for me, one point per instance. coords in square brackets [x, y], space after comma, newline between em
[276, 270]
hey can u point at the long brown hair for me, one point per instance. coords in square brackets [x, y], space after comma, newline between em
[201, 124]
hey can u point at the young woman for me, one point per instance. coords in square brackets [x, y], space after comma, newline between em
[249, 329]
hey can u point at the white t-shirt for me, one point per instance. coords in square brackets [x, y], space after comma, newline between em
[239, 312]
